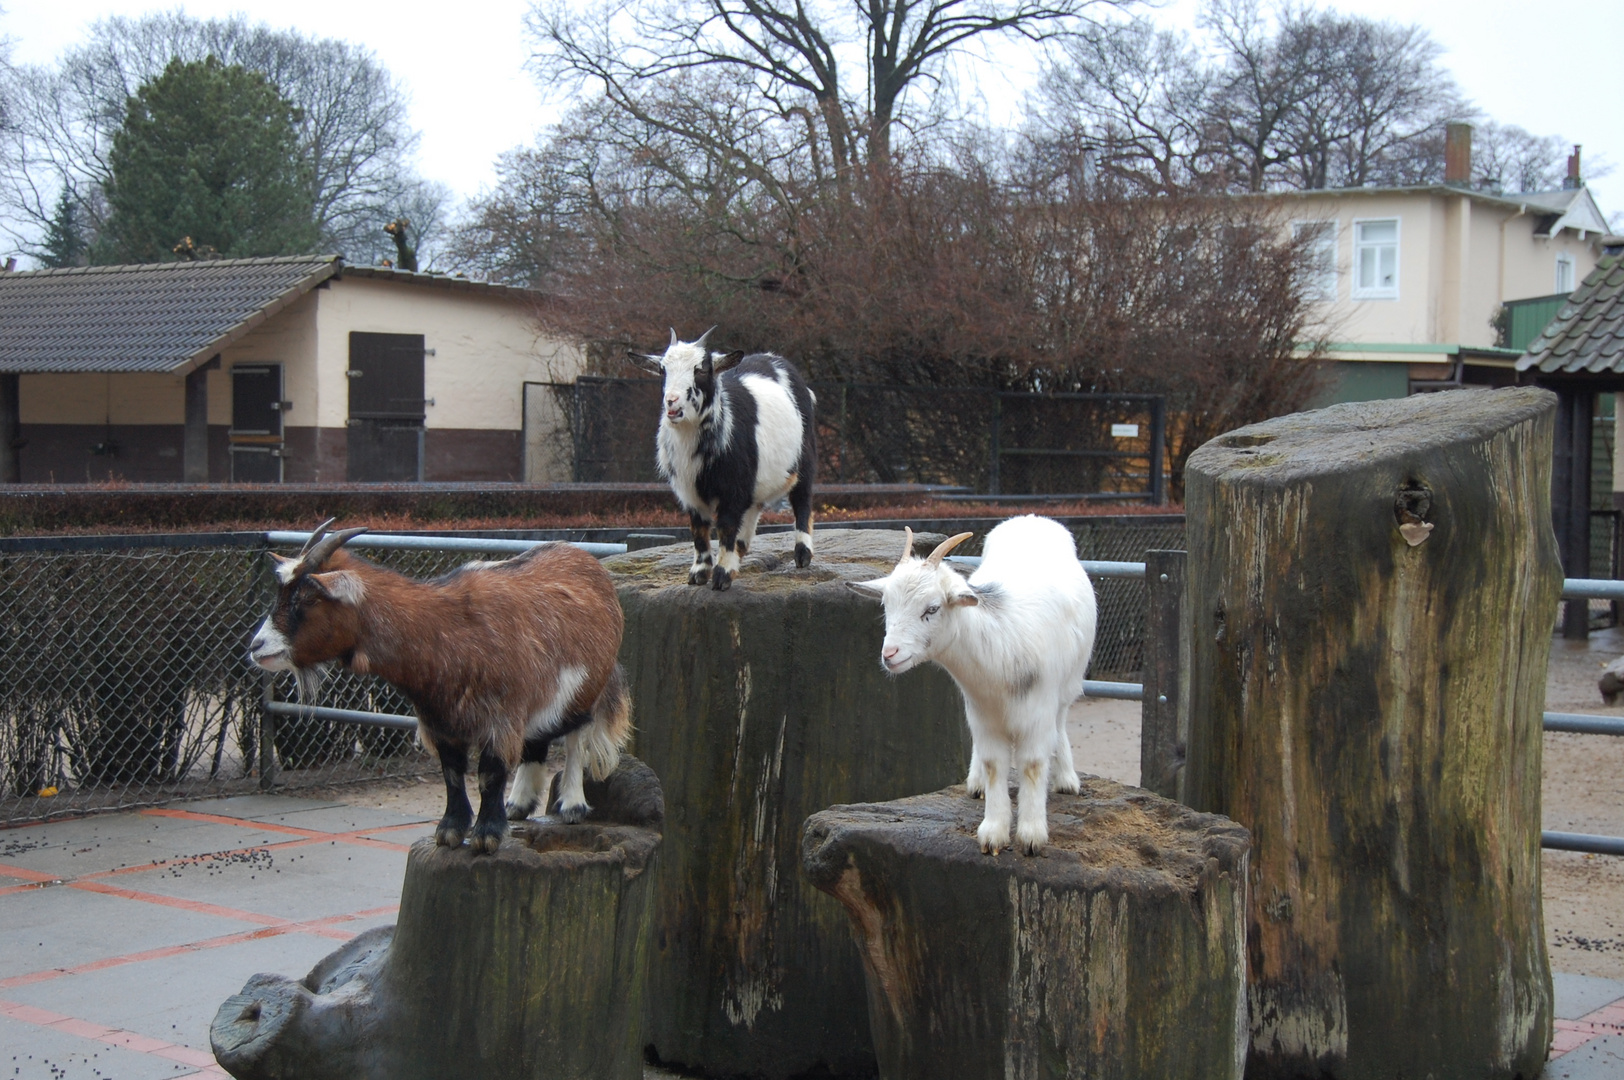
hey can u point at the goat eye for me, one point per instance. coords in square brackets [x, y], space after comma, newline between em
[933, 609]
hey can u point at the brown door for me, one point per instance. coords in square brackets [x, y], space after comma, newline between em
[256, 424]
[386, 407]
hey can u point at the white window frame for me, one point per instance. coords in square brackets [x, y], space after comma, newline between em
[1566, 259]
[1398, 259]
[1324, 284]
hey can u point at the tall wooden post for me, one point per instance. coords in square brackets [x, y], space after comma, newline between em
[1372, 590]
[1162, 735]
[1570, 496]
[758, 707]
[195, 452]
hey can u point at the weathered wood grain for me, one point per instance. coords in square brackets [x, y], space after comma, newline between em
[1372, 590]
[758, 707]
[1118, 954]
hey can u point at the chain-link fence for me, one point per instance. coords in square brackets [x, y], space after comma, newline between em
[962, 436]
[124, 678]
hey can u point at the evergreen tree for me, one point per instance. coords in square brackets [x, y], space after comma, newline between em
[64, 243]
[207, 151]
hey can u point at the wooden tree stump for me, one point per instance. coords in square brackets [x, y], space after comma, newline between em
[1372, 590]
[525, 964]
[1118, 954]
[758, 707]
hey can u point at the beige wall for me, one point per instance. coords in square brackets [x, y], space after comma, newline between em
[485, 349]
[287, 338]
[1453, 271]
[102, 399]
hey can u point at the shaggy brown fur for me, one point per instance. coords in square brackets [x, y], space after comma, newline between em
[498, 659]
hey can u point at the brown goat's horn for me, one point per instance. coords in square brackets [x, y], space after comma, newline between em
[907, 545]
[946, 546]
[312, 560]
[315, 537]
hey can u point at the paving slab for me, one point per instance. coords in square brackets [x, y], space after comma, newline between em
[32, 1052]
[342, 819]
[1578, 995]
[1599, 1059]
[248, 806]
[61, 927]
[173, 999]
[141, 847]
[312, 881]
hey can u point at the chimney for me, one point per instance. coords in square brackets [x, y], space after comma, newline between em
[1458, 154]
[1573, 180]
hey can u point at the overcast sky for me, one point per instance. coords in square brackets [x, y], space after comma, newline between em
[1551, 68]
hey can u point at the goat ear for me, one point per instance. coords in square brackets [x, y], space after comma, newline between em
[965, 599]
[341, 586]
[282, 566]
[646, 361]
[727, 360]
[868, 588]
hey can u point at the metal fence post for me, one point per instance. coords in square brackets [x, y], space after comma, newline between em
[267, 733]
[1161, 740]
[1158, 450]
[997, 443]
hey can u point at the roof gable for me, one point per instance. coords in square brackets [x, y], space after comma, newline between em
[1587, 334]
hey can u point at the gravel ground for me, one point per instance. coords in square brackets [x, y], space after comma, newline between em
[1584, 792]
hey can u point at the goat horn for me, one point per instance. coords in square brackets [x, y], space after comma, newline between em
[315, 537]
[673, 337]
[323, 551]
[946, 546]
[907, 544]
[702, 337]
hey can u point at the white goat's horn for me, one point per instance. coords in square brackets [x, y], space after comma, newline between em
[701, 341]
[946, 546]
[315, 536]
[907, 544]
[320, 553]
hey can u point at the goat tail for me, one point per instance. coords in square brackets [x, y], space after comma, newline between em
[611, 727]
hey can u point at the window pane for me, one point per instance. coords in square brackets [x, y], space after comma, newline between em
[1376, 232]
[1389, 265]
[1367, 268]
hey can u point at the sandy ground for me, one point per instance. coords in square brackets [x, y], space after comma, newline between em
[1584, 792]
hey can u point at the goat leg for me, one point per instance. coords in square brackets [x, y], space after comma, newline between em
[700, 572]
[800, 501]
[727, 560]
[529, 786]
[491, 823]
[459, 813]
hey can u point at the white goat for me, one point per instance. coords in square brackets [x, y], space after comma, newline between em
[1016, 638]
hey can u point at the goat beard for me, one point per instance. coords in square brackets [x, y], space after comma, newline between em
[307, 682]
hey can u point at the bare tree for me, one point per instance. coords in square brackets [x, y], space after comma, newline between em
[353, 124]
[796, 56]
[1507, 158]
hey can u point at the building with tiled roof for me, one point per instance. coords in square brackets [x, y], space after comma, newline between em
[289, 368]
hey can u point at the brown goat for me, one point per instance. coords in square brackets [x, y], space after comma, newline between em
[498, 658]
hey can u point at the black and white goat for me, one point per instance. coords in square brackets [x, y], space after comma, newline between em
[498, 658]
[737, 433]
[1016, 638]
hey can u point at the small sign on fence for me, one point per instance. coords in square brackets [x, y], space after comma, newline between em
[1124, 431]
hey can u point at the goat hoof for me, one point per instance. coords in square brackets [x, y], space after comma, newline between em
[992, 838]
[1068, 785]
[803, 556]
[574, 815]
[448, 836]
[699, 576]
[1032, 841]
[485, 843]
[521, 811]
[721, 580]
